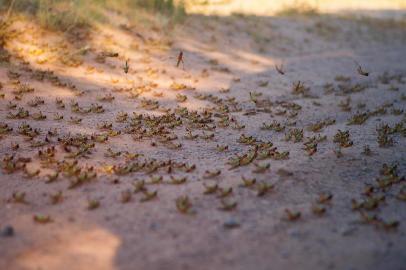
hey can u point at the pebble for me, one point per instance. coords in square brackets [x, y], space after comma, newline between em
[7, 231]
[231, 224]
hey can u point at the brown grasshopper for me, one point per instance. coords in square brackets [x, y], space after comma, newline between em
[180, 60]
[279, 69]
[360, 70]
[126, 67]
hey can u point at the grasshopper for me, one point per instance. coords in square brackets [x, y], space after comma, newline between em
[126, 67]
[279, 69]
[180, 60]
[360, 70]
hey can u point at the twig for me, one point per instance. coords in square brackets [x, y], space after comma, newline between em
[10, 9]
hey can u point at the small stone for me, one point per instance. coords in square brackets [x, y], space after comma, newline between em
[7, 231]
[154, 226]
[347, 231]
[284, 173]
[231, 224]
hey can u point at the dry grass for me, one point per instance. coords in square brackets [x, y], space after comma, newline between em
[64, 14]
[298, 8]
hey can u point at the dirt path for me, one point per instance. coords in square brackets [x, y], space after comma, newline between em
[225, 59]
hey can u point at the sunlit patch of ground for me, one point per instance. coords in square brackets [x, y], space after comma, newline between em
[84, 248]
[266, 7]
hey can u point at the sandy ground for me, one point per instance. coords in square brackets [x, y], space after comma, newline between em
[226, 58]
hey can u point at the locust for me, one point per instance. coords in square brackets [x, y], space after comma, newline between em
[295, 135]
[402, 194]
[338, 152]
[113, 133]
[31, 174]
[181, 98]
[205, 136]
[325, 198]
[106, 98]
[224, 192]
[42, 219]
[246, 182]
[188, 168]
[121, 117]
[292, 215]
[131, 156]
[368, 190]
[100, 138]
[180, 60]
[379, 222]
[112, 154]
[227, 205]
[261, 168]
[263, 188]
[390, 225]
[52, 132]
[345, 105]
[36, 102]
[300, 89]
[224, 90]
[52, 177]
[311, 148]
[367, 150]
[237, 126]
[125, 196]
[58, 116]
[59, 104]
[93, 204]
[321, 124]
[358, 119]
[360, 70]
[139, 186]
[81, 178]
[56, 197]
[318, 210]
[11, 105]
[19, 197]
[149, 195]
[212, 174]
[222, 148]
[105, 126]
[178, 181]
[75, 120]
[154, 180]
[190, 136]
[21, 114]
[275, 126]
[5, 128]
[183, 204]
[343, 138]
[279, 69]
[126, 67]
[38, 116]
[158, 94]
[210, 189]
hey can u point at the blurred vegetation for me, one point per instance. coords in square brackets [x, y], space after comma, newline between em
[64, 14]
[298, 8]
